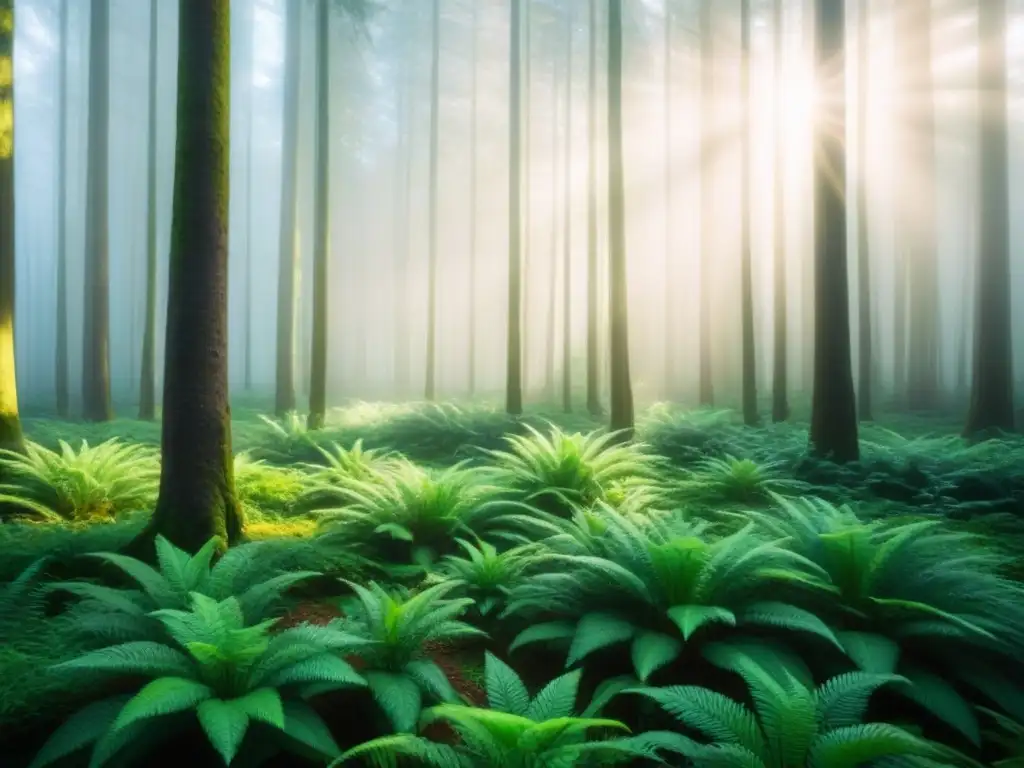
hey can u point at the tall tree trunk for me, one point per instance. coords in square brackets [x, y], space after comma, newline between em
[321, 223]
[61, 353]
[833, 409]
[10, 423]
[780, 364]
[197, 494]
[750, 416]
[514, 356]
[865, 362]
[250, 96]
[474, 56]
[567, 227]
[430, 389]
[670, 351]
[593, 310]
[403, 203]
[549, 345]
[526, 271]
[96, 328]
[992, 385]
[707, 206]
[147, 381]
[621, 388]
[288, 252]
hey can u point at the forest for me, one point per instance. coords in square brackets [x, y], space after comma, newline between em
[511, 383]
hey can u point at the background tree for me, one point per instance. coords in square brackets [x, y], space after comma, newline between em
[435, 108]
[865, 372]
[147, 383]
[61, 373]
[707, 207]
[514, 354]
[593, 309]
[780, 312]
[567, 222]
[749, 372]
[474, 256]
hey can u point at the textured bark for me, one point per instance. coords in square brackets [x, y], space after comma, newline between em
[567, 228]
[61, 383]
[96, 328]
[430, 387]
[321, 224]
[593, 332]
[147, 382]
[707, 208]
[197, 495]
[514, 353]
[621, 388]
[865, 376]
[833, 409]
[992, 386]
[750, 416]
[471, 320]
[780, 308]
[288, 252]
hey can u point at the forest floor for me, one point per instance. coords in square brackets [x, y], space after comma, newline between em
[383, 492]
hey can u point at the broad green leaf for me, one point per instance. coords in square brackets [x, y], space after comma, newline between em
[690, 618]
[653, 650]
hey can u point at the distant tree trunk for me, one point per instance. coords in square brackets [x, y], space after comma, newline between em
[250, 95]
[834, 409]
[780, 366]
[403, 203]
[321, 223]
[96, 337]
[549, 346]
[992, 385]
[670, 351]
[197, 494]
[707, 206]
[11, 438]
[147, 382]
[621, 388]
[288, 254]
[750, 416]
[567, 228]
[865, 362]
[430, 389]
[526, 270]
[593, 332]
[514, 357]
[474, 58]
[61, 366]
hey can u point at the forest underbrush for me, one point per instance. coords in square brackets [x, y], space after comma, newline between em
[454, 587]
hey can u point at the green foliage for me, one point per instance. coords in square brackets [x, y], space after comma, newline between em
[398, 632]
[93, 483]
[228, 673]
[742, 481]
[1008, 735]
[264, 489]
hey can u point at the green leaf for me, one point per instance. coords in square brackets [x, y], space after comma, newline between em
[395, 531]
[141, 657]
[80, 730]
[871, 652]
[690, 618]
[264, 705]
[556, 699]
[653, 650]
[325, 668]
[596, 631]
[942, 700]
[225, 725]
[304, 725]
[431, 679]
[858, 745]
[505, 689]
[399, 697]
[788, 617]
[539, 633]
[163, 696]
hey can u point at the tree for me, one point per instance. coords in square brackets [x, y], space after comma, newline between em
[288, 252]
[670, 287]
[991, 405]
[514, 354]
[567, 226]
[147, 382]
[96, 328]
[780, 364]
[474, 63]
[61, 383]
[707, 207]
[10, 423]
[435, 107]
[864, 330]
[593, 335]
[621, 388]
[249, 66]
[197, 494]
[750, 417]
[833, 404]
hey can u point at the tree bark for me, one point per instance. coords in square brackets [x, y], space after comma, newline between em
[621, 388]
[865, 362]
[514, 353]
[780, 365]
[250, 98]
[991, 407]
[197, 495]
[833, 408]
[707, 190]
[147, 380]
[593, 310]
[750, 415]
[430, 388]
[96, 328]
[61, 353]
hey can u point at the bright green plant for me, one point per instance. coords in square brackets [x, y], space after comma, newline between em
[515, 731]
[740, 481]
[126, 614]
[398, 632]
[215, 668]
[656, 586]
[91, 484]
[262, 488]
[344, 464]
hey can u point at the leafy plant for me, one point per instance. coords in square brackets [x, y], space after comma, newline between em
[516, 731]
[1008, 735]
[397, 631]
[226, 673]
[264, 489]
[742, 481]
[93, 483]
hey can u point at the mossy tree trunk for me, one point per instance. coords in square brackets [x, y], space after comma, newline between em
[197, 495]
[621, 387]
[147, 384]
[284, 395]
[749, 351]
[833, 409]
[780, 308]
[514, 350]
[10, 423]
[706, 386]
[991, 405]
[430, 381]
[61, 375]
[96, 328]
[593, 309]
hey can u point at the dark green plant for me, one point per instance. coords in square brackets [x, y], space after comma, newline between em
[728, 479]
[1008, 736]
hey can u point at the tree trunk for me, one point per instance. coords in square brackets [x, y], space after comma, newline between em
[526, 270]
[593, 332]
[707, 206]
[250, 96]
[147, 381]
[750, 416]
[403, 203]
[514, 355]
[96, 337]
[992, 386]
[471, 321]
[197, 495]
[865, 362]
[833, 408]
[430, 389]
[61, 353]
[670, 351]
[321, 223]
[567, 228]
[780, 365]
[621, 389]
[552, 308]
[288, 254]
